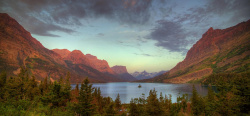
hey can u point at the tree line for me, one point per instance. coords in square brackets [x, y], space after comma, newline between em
[23, 95]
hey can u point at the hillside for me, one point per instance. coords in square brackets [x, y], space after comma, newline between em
[19, 48]
[219, 50]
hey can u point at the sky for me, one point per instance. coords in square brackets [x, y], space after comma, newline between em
[151, 35]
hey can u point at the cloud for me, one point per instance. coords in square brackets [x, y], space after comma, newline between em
[65, 12]
[170, 35]
[144, 54]
[100, 34]
[23, 13]
[141, 39]
[214, 12]
[179, 29]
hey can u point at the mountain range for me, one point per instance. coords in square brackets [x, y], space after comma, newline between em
[19, 49]
[218, 51]
[146, 75]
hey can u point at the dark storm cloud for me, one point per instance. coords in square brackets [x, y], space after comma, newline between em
[40, 28]
[170, 35]
[52, 13]
[173, 33]
[32, 17]
[237, 9]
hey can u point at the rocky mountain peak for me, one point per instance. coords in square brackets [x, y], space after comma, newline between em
[210, 30]
[91, 56]
[119, 69]
[62, 52]
[123, 73]
[77, 57]
[77, 52]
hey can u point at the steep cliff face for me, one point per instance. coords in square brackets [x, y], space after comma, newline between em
[119, 69]
[123, 73]
[19, 48]
[100, 65]
[219, 50]
[86, 65]
[77, 57]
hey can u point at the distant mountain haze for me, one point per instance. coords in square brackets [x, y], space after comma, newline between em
[146, 75]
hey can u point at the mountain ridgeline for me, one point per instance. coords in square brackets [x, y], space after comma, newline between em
[146, 75]
[19, 48]
[218, 51]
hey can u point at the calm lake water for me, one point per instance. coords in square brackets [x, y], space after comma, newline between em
[128, 90]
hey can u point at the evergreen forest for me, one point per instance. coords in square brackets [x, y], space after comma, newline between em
[23, 95]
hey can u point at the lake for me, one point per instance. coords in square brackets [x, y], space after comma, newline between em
[128, 90]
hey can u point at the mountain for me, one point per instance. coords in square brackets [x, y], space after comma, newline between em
[19, 48]
[219, 50]
[78, 61]
[123, 73]
[77, 57]
[146, 75]
[62, 52]
[100, 65]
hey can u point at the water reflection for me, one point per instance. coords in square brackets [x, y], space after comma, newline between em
[131, 90]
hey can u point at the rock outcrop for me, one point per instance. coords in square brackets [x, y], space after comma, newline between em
[123, 73]
[77, 57]
[100, 65]
[62, 52]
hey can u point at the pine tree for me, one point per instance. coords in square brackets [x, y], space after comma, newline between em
[110, 111]
[55, 95]
[77, 87]
[210, 103]
[12, 87]
[23, 78]
[153, 107]
[100, 103]
[197, 104]
[133, 109]
[118, 103]
[210, 95]
[32, 88]
[85, 107]
[66, 88]
[44, 86]
[3, 79]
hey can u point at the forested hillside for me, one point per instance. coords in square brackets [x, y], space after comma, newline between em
[23, 95]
